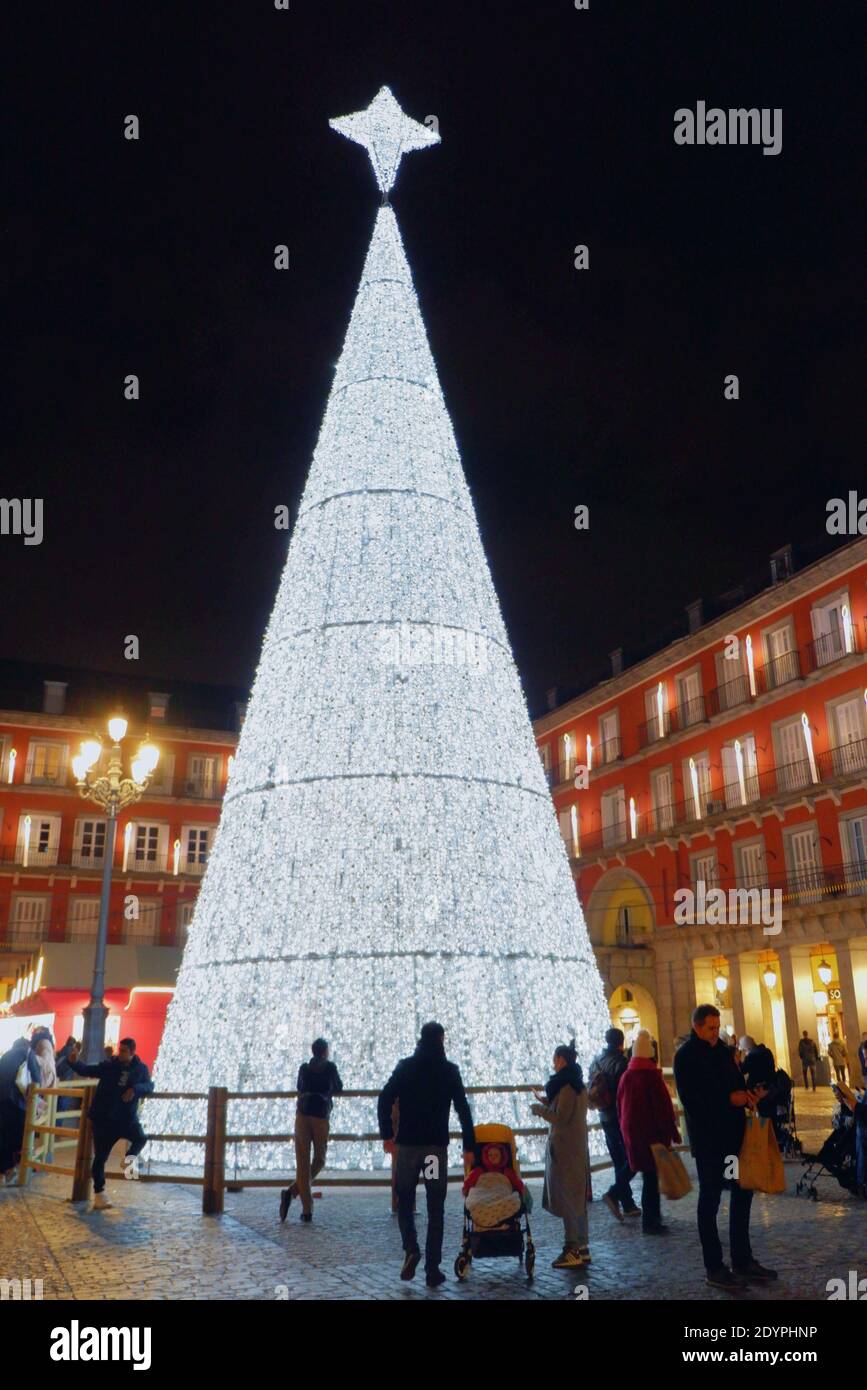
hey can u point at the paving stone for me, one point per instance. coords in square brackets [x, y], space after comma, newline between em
[155, 1243]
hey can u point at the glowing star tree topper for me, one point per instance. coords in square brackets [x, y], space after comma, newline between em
[387, 851]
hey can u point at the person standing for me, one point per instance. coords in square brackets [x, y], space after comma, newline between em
[646, 1117]
[425, 1087]
[714, 1097]
[862, 1058]
[70, 1049]
[809, 1055]
[839, 1057]
[566, 1155]
[605, 1073]
[123, 1082]
[13, 1101]
[318, 1083]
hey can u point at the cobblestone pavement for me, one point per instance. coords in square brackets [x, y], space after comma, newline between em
[156, 1244]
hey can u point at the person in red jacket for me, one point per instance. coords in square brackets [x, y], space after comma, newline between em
[646, 1117]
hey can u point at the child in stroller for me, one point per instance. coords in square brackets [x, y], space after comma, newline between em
[495, 1202]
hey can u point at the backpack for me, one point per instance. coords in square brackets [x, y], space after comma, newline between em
[599, 1095]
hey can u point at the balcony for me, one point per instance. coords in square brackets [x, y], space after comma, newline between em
[787, 781]
[833, 646]
[607, 752]
[846, 760]
[29, 936]
[68, 855]
[802, 887]
[674, 721]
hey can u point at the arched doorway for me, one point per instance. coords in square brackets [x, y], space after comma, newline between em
[620, 911]
[632, 1007]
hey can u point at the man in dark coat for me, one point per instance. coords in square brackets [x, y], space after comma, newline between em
[123, 1081]
[12, 1103]
[809, 1055]
[605, 1073]
[425, 1086]
[318, 1082]
[714, 1096]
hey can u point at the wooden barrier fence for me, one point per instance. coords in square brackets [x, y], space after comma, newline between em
[43, 1134]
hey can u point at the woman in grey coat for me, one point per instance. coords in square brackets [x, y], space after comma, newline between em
[567, 1164]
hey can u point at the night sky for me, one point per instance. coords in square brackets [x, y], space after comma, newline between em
[602, 387]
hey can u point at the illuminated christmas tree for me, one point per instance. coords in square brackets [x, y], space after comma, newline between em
[388, 851]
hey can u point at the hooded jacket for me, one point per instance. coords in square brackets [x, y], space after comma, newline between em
[425, 1085]
[645, 1112]
[109, 1109]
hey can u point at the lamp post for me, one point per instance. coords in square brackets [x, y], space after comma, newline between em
[112, 792]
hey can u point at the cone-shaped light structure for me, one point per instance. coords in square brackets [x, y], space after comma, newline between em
[387, 851]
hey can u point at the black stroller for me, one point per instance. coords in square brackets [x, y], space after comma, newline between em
[835, 1159]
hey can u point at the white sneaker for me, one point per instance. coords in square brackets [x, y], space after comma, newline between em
[100, 1202]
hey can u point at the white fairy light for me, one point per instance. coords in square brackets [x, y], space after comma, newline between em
[386, 851]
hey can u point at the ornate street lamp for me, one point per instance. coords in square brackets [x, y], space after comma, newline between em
[112, 792]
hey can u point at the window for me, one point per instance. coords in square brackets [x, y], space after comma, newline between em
[849, 753]
[609, 737]
[750, 862]
[656, 704]
[194, 848]
[38, 839]
[567, 757]
[46, 763]
[145, 929]
[148, 847]
[89, 845]
[740, 781]
[690, 702]
[568, 821]
[202, 776]
[832, 636]
[185, 917]
[613, 817]
[702, 869]
[804, 863]
[662, 792]
[781, 658]
[699, 790]
[163, 775]
[625, 933]
[28, 917]
[793, 768]
[83, 919]
[853, 838]
[733, 681]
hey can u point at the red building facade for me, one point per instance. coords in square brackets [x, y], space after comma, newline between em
[52, 841]
[736, 759]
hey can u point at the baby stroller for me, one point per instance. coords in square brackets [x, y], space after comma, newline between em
[511, 1236]
[785, 1125]
[835, 1159]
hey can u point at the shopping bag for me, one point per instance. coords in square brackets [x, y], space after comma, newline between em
[673, 1178]
[23, 1077]
[760, 1167]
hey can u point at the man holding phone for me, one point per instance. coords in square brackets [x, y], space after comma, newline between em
[714, 1096]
